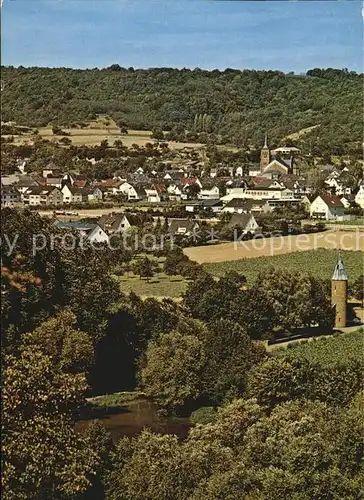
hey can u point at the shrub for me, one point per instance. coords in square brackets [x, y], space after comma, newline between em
[204, 415]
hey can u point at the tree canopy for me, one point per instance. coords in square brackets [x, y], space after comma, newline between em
[238, 106]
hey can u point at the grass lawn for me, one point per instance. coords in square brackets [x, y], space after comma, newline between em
[116, 399]
[319, 263]
[354, 222]
[160, 285]
[326, 350]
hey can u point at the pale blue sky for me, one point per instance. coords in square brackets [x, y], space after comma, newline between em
[284, 35]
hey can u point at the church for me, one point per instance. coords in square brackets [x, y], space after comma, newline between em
[278, 162]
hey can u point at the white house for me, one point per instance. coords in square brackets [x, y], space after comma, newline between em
[91, 232]
[137, 193]
[359, 197]
[337, 184]
[54, 181]
[209, 193]
[114, 223]
[240, 206]
[152, 195]
[259, 193]
[42, 195]
[184, 227]
[245, 222]
[286, 150]
[125, 188]
[92, 193]
[9, 196]
[234, 192]
[71, 194]
[68, 179]
[326, 207]
[254, 170]
[174, 191]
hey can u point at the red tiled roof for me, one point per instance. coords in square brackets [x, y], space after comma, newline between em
[332, 200]
[188, 180]
[80, 183]
[258, 180]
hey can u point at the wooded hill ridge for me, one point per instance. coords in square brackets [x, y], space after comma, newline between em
[238, 106]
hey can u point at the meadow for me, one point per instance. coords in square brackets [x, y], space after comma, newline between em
[326, 351]
[319, 263]
[159, 286]
[104, 128]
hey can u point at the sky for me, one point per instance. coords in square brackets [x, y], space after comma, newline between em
[283, 35]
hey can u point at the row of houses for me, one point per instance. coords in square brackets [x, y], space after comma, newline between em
[274, 186]
[114, 224]
[46, 190]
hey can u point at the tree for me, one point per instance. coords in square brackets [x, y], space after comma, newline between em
[157, 133]
[357, 289]
[192, 190]
[66, 141]
[78, 278]
[43, 456]
[302, 449]
[136, 477]
[296, 300]
[279, 379]
[172, 371]
[131, 325]
[230, 354]
[59, 338]
[103, 446]
[144, 267]
[173, 260]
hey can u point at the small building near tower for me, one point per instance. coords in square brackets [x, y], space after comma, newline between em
[339, 293]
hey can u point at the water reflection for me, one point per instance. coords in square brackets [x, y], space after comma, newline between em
[130, 419]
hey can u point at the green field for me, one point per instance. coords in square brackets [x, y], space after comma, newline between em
[319, 263]
[159, 286]
[116, 399]
[326, 351]
[354, 222]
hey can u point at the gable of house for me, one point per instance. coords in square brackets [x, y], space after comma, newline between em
[183, 226]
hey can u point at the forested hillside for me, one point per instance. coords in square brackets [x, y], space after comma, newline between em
[236, 105]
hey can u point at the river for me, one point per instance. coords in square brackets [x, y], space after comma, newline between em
[131, 418]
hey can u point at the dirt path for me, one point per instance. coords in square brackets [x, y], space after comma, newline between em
[266, 247]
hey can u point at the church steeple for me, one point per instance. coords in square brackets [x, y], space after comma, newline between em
[264, 154]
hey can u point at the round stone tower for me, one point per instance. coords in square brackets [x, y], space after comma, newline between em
[339, 293]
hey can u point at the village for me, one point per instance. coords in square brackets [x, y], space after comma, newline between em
[182, 238]
[275, 185]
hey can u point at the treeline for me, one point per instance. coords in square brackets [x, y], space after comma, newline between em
[237, 106]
